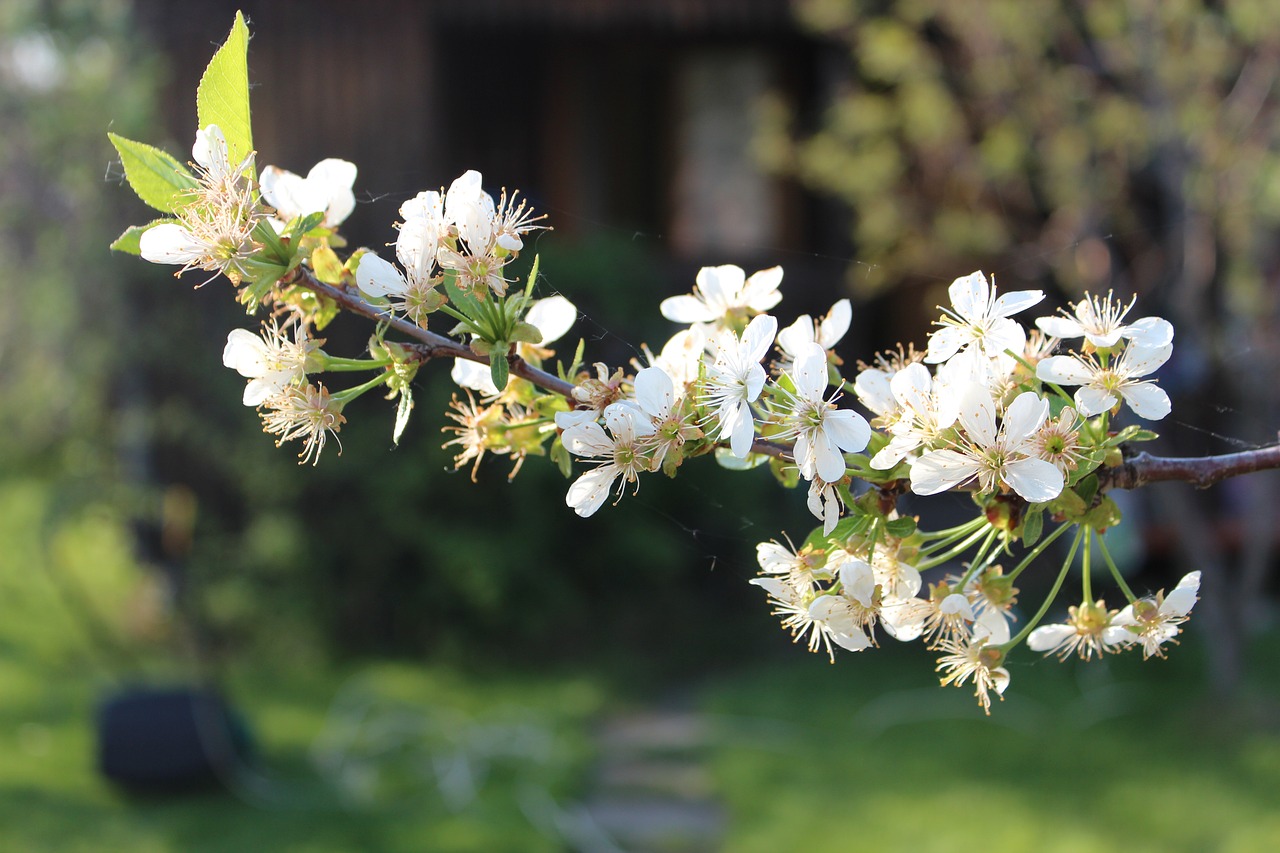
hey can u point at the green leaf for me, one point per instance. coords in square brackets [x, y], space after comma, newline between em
[785, 472]
[901, 528]
[327, 265]
[1087, 488]
[223, 95]
[1132, 433]
[300, 226]
[403, 410]
[1032, 527]
[560, 456]
[526, 333]
[726, 459]
[498, 368]
[157, 178]
[131, 240]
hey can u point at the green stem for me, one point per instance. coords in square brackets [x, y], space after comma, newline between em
[342, 398]
[337, 364]
[985, 557]
[460, 317]
[951, 534]
[1029, 366]
[1085, 566]
[957, 550]
[1053, 594]
[1038, 550]
[1115, 571]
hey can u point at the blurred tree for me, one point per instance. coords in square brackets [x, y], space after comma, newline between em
[1079, 146]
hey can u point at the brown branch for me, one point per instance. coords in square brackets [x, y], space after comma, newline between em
[1204, 471]
[1134, 472]
[429, 345]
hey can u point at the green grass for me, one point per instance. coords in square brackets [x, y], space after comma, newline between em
[1116, 756]
[349, 759]
[868, 754]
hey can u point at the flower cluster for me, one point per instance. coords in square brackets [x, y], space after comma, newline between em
[460, 234]
[982, 408]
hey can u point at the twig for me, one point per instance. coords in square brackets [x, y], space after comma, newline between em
[1134, 472]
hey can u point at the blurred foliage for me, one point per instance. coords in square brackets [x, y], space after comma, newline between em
[1088, 145]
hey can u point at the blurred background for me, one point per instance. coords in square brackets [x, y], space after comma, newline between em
[375, 654]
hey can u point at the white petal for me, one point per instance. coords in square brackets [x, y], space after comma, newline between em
[1147, 399]
[589, 491]
[944, 343]
[956, 604]
[655, 392]
[1092, 401]
[760, 293]
[473, 375]
[552, 316]
[758, 336]
[1063, 370]
[774, 558]
[874, 389]
[992, 626]
[810, 371]
[1025, 415]
[1150, 332]
[794, 337]
[830, 461]
[245, 353]
[335, 178]
[1034, 479]
[1015, 301]
[970, 295]
[911, 387]
[170, 244]
[742, 431]
[1141, 361]
[1180, 601]
[835, 324]
[940, 470]
[848, 429]
[587, 439]
[1060, 327]
[859, 581]
[686, 309]
[377, 277]
[978, 414]
[1048, 638]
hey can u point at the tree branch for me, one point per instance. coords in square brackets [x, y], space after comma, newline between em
[1136, 471]
[430, 345]
[1204, 471]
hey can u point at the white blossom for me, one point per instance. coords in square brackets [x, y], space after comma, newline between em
[1152, 622]
[271, 361]
[1103, 385]
[822, 432]
[618, 450]
[826, 333]
[995, 457]
[735, 380]
[980, 322]
[724, 297]
[326, 189]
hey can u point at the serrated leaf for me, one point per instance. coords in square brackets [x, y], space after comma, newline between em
[223, 95]
[131, 240]
[157, 178]
[403, 410]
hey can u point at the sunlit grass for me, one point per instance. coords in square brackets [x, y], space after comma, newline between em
[1116, 756]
